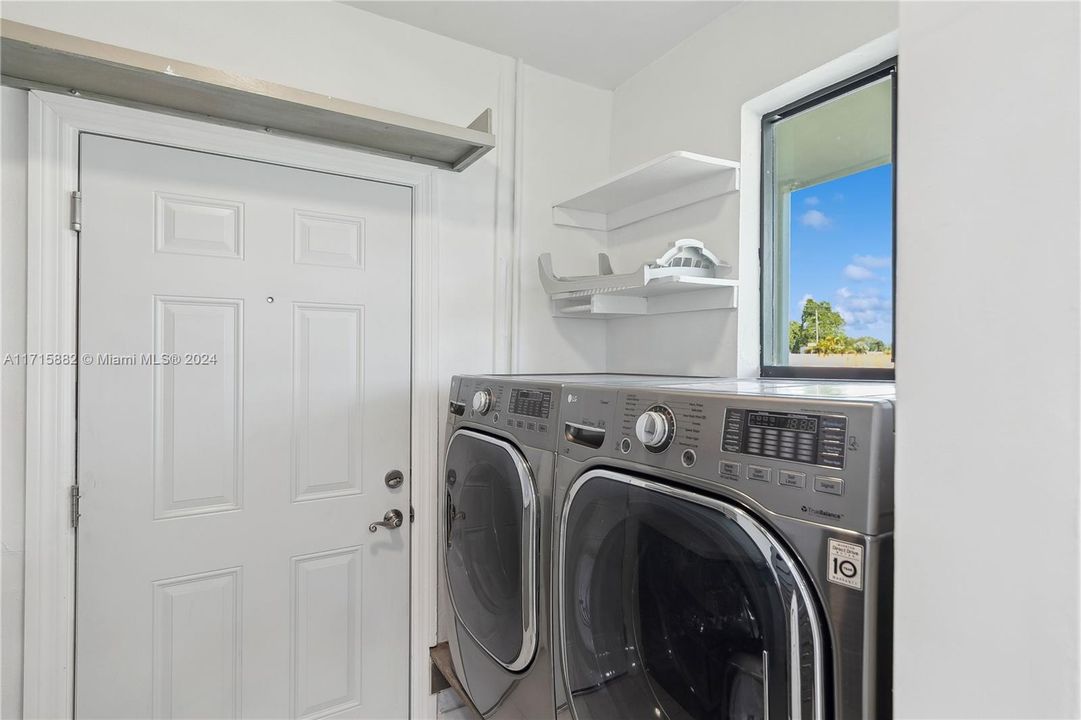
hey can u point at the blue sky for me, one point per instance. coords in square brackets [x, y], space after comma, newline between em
[842, 247]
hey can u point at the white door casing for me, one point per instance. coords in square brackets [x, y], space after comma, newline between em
[56, 123]
[241, 397]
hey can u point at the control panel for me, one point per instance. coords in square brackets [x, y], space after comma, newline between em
[529, 412]
[819, 459]
[798, 437]
[530, 402]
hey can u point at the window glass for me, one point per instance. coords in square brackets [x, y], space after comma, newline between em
[828, 233]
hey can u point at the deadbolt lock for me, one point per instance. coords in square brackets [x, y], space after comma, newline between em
[394, 479]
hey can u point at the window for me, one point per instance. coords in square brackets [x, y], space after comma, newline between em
[828, 178]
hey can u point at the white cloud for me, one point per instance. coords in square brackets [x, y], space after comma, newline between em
[865, 312]
[812, 201]
[858, 272]
[872, 261]
[816, 219]
[803, 300]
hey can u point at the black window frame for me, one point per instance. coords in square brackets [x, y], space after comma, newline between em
[767, 238]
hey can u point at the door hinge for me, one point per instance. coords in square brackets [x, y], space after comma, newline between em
[412, 515]
[76, 211]
[75, 506]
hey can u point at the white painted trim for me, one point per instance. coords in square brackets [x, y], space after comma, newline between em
[518, 214]
[49, 574]
[506, 239]
[749, 314]
[55, 124]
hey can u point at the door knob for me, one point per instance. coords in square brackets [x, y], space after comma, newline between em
[393, 519]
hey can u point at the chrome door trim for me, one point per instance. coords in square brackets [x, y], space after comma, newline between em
[530, 533]
[762, 538]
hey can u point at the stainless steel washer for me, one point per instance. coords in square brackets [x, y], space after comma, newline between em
[497, 528]
[726, 552]
[497, 489]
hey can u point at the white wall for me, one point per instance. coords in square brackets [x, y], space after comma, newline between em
[330, 48]
[13, 148]
[690, 99]
[988, 341]
[565, 148]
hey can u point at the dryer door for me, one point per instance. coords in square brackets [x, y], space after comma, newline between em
[491, 531]
[677, 605]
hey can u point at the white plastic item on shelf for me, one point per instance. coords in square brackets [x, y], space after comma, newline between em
[686, 258]
[684, 279]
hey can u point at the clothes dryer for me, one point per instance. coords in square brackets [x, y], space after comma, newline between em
[725, 552]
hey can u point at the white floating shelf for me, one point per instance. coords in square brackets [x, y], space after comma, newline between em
[660, 296]
[36, 58]
[665, 183]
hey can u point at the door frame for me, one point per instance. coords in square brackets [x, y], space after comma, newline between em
[56, 122]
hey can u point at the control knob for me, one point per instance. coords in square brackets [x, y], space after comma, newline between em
[482, 401]
[655, 428]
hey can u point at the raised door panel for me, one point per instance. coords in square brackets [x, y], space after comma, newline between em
[198, 458]
[321, 238]
[326, 633]
[198, 226]
[197, 646]
[328, 399]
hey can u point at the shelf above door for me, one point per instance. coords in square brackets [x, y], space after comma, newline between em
[33, 57]
[666, 183]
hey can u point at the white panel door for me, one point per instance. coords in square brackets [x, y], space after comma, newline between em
[247, 390]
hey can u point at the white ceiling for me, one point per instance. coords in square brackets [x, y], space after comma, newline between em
[601, 43]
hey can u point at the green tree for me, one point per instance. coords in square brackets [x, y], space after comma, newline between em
[796, 339]
[819, 319]
[832, 345]
[870, 344]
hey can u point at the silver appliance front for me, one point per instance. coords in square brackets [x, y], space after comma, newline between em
[677, 605]
[492, 533]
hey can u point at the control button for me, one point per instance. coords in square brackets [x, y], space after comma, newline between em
[829, 485]
[495, 418]
[531, 426]
[518, 423]
[792, 479]
[510, 422]
[688, 458]
[656, 428]
[542, 427]
[625, 445]
[482, 401]
[762, 474]
[729, 469]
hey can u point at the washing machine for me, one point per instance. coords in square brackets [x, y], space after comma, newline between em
[724, 550]
[497, 485]
[502, 433]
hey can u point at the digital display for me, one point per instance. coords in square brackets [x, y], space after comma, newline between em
[532, 403]
[791, 437]
[798, 423]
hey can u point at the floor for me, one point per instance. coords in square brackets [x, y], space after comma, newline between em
[452, 707]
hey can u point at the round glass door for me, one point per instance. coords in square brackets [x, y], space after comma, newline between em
[675, 605]
[491, 546]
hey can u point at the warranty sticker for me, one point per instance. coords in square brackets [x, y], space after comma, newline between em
[845, 564]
